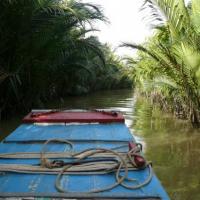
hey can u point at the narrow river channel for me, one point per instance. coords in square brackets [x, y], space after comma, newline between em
[172, 145]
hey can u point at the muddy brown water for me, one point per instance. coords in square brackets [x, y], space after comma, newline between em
[171, 144]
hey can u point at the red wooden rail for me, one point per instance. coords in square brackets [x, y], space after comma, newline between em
[73, 117]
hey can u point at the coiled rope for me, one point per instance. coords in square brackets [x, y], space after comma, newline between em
[90, 161]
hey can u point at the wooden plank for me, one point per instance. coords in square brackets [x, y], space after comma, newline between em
[90, 132]
[71, 117]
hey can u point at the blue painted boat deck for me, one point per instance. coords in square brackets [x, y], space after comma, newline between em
[30, 138]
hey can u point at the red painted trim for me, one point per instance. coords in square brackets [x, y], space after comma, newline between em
[72, 117]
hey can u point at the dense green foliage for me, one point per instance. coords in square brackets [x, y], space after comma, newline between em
[168, 65]
[47, 53]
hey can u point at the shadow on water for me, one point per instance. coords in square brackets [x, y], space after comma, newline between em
[6, 127]
[172, 145]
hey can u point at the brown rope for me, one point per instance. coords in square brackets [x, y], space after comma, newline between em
[125, 164]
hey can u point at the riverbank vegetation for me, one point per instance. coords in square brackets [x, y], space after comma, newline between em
[48, 52]
[167, 67]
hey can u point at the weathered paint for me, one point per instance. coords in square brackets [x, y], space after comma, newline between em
[69, 117]
[83, 137]
[89, 132]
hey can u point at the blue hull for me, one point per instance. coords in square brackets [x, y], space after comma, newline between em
[30, 138]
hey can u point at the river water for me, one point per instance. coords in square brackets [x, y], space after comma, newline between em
[172, 145]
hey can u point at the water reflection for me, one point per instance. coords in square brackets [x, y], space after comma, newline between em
[6, 127]
[173, 145]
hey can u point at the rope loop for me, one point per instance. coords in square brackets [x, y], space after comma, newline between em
[87, 162]
[44, 161]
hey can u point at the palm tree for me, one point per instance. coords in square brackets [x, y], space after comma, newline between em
[46, 52]
[171, 59]
[38, 40]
